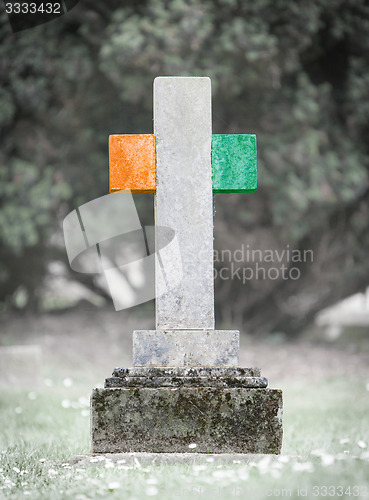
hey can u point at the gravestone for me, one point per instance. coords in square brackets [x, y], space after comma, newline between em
[185, 391]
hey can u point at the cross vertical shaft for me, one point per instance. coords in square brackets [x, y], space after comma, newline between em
[183, 202]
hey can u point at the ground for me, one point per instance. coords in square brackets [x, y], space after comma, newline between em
[326, 403]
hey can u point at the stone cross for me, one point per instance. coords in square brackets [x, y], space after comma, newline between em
[185, 391]
[183, 164]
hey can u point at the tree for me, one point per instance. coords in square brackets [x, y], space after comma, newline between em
[296, 75]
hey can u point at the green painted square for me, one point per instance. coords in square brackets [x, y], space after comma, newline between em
[233, 161]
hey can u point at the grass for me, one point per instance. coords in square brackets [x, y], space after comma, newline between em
[325, 425]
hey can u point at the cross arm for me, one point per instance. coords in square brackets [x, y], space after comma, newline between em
[132, 163]
[233, 161]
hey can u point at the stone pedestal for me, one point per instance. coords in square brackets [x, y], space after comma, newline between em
[163, 409]
[186, 347]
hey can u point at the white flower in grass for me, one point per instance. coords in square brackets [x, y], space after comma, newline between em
[229, 474]
[318, 453]
[8, 483]
[243, 474]
[94, 459]
[83, 401]
[303, 467]
[361, 444]
[275, 473]
[52, 472]
[152, 480]
[199, 467]
[109, 465]
[327, 460]
[192, 446]
[67, 382]
[85, 413]
[344, 440]
[218, 473]
[65, 403]
[277, 465]
[341, 456]
[114, 485]
[121, 461]
[152, 491]
[264, 464]
[18, 410]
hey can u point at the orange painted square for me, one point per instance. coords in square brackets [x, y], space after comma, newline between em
[132, 163]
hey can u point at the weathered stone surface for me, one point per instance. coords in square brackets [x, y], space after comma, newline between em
[168, 420]
[233, 161]
[184, 198]
[182, 371]
[132, 163]
[254, 382]
[185, 347]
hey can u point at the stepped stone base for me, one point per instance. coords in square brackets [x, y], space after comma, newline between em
[162, 410]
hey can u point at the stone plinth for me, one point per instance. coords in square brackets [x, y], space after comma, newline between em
[164, 410]
[185, 347]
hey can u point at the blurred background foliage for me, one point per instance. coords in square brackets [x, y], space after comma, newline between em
[294, 73]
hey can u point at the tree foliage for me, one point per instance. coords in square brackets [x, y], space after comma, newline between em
[295, 73]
